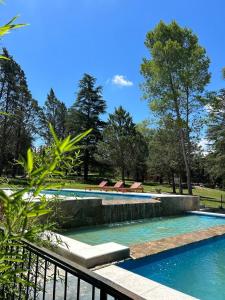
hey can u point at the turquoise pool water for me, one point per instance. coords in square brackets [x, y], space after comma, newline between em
[102, 195]
[197, 270]
[144, 230]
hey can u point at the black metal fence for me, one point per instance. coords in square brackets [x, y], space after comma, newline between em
[52, 277]
[209, 202]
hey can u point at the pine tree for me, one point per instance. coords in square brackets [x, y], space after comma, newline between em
[19, 120]
[215, 159]
[122, 146]
[85, 114]
[54, 112]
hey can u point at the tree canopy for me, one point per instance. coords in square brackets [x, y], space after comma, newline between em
[175, 77]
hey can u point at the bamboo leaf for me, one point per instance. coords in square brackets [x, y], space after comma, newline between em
[30, 162]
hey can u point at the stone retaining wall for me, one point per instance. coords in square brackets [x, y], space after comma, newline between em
[93, 211]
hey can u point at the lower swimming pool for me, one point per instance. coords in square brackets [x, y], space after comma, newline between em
[143, 230]
[197, 270]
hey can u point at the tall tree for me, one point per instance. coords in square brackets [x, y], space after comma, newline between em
[85, 114]
[18, 121]
[165, 156]
[121, 144]
[54, 112]
[215, 159]
[175, 77]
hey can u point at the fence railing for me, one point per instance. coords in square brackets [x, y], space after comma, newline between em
[53, 277]
[213, 202]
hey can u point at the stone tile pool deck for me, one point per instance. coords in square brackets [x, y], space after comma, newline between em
[164, 244]
[127, 202]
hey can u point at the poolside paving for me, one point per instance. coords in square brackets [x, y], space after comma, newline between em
[132, 201]
[153, 247]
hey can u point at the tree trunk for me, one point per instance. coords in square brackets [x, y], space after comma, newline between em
[173, 182]
[123, 173]
[186, 161]
[17, 151]
[86, 165]
[4, 135]
[180, 184]
[182, 138]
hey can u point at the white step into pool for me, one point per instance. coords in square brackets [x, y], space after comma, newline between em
[90, 256]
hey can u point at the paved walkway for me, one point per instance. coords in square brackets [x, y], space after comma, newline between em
[127, 201]
[153, 247]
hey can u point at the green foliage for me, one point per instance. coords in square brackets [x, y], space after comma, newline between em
[19, 118]
[175, 77]
[84, 114]
[54, 112]
[215, 160]
[21, 209]
[8, 27]
[122, 148]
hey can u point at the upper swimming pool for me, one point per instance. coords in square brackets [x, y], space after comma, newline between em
[197, 269]
[143, 230]
[102, 195]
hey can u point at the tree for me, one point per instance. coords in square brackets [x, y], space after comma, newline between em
[121, 147]
[19, 114]
[175, 77]
[54, 112]
[165, 156]
[85, 114]
[215, 160]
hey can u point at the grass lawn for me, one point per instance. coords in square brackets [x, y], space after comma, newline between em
[207, 194]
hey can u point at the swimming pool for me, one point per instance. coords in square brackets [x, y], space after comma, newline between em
[102, 195]
[197, 270]
[143, 230]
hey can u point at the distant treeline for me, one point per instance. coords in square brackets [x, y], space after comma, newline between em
[166, 148]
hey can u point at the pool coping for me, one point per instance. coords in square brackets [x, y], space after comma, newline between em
[141, 286]
[162, 245]
[205, 213]
[144, 195]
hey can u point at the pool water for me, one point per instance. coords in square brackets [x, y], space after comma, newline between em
[143, 230]
[197, 270]
[102, 195]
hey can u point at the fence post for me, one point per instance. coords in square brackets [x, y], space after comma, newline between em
[103, 295]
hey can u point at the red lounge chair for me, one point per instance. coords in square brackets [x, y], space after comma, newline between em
[99, 187]
[135, 187]
[116, 186]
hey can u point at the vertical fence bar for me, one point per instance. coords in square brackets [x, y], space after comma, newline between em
[78, 288]
[103, 295]
[28, 274]
[14, 266]
[65, 286]
[44, 283]
[22, 266]
[36, 277]
[93, 293]
[54, 282]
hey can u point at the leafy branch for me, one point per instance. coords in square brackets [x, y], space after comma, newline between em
[21, 209]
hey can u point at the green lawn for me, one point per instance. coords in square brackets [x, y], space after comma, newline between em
[206, 193]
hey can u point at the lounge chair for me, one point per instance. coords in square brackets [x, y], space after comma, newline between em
[99, 187]
[135, 187]
[116, 186]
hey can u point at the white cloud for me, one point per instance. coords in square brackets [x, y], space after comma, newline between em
[204, 145]
[121, 80]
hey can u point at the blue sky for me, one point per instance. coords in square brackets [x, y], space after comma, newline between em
[105, 38]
